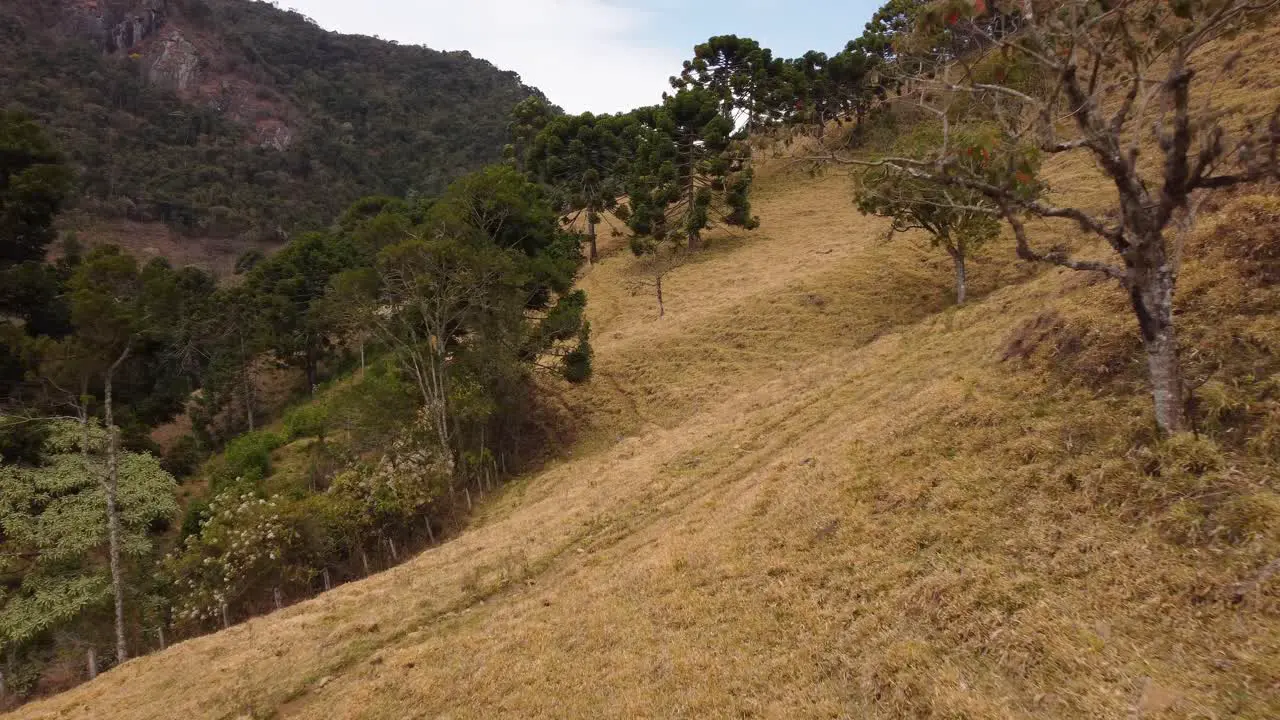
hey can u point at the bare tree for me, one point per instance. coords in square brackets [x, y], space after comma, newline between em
[1112, 80]
[656, 264]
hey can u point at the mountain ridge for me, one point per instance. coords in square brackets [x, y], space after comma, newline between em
[235, 120]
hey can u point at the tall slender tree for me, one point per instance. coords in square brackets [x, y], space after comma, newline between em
[110, 318]
[741, 73]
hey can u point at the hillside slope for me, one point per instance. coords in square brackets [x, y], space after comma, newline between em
[815, 490]
[236, 120]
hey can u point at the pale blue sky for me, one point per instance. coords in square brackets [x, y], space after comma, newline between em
[597, 55]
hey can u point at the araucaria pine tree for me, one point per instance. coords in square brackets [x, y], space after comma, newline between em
[690, 172]
[578, 157]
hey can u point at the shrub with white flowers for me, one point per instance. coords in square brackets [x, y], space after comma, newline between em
[242, 548]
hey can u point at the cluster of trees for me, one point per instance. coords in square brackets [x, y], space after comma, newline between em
[366, 117]
[1000, 86]
[450, 304]
[979, 91]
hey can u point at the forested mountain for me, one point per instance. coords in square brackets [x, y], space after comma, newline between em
[235, 119]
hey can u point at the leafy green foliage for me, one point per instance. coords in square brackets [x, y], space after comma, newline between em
[741, 73]
[34, 182]
[53, 526]
[307, 421]
[238, 547]
[582, 158]
[33, 186]
[247, 458]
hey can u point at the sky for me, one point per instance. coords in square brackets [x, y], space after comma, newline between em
[601, 56]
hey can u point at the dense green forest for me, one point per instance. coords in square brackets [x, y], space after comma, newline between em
[424, 317]
[280, 127]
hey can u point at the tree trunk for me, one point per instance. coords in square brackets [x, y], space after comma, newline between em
[246, 379]
[662, 310]
[961, 278]
[1151, 292]
[311, 369]
[591, 240]
[91, 661]
[113, 513]
[695, 240]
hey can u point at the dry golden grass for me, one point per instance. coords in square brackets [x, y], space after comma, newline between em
[814, 489]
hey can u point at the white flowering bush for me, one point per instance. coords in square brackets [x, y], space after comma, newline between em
[404, 483]
[240, 550]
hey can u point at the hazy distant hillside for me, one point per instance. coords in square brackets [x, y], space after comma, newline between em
[235, 119]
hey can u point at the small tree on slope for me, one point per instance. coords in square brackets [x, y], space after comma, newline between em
[1114, 77]
[958, 220]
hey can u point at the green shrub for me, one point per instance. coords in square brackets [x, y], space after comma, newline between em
[577, 363]
[310, 420]
[197, 514]
[247, 457]
[182, 459]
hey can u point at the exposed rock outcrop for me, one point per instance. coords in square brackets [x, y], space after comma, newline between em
[175, 64]
[274, 134]
[117, 25]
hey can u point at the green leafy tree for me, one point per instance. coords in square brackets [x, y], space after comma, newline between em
[286, 285]
[958, 220]
[242, 545]
[528, 118]
[741, 73]
[236, 333]
[110, 318]
[54, 522]
[34, 183]
[460, 299]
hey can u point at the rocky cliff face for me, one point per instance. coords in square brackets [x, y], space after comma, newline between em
[175, 56]
[117, 25]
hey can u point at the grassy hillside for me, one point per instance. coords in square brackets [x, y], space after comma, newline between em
[814, 489]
